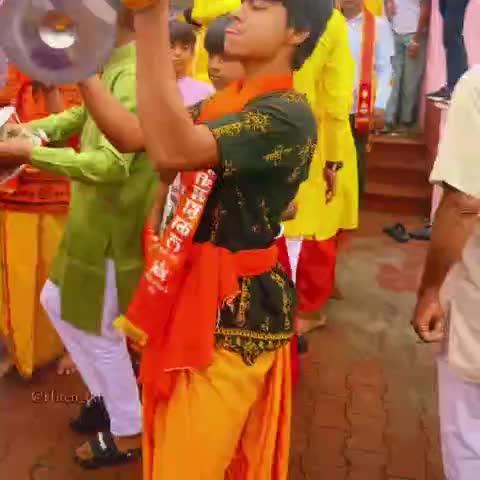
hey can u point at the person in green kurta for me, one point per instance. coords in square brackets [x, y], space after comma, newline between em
[100, 259]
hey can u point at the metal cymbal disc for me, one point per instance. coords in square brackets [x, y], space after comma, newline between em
[58, 41]
[3, 68]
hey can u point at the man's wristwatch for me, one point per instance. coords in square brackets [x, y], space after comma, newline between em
[334, 166]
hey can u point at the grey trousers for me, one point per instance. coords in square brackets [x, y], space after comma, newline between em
[408, 74]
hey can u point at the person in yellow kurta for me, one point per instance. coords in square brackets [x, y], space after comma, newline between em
[328, 201]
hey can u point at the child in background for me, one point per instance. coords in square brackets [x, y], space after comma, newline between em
[183, 40]
[221, 70]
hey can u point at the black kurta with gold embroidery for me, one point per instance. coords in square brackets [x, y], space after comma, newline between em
[265, 152]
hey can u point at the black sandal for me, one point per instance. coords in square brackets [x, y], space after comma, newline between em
[106, 453]
[398, 232]
[93, 417]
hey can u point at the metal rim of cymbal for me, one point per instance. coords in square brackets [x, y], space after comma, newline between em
[58, 41]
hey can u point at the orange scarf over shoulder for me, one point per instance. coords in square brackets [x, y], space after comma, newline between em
[174, 312]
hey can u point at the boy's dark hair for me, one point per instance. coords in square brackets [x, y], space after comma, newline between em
[307, 16]
[183, 33]
[215, 37]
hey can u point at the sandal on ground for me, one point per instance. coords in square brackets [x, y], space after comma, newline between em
[423, 234]
[106, 454]
[93, 417]
[398, 232]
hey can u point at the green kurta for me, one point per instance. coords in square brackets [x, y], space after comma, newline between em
[266, 151]
[111, 197]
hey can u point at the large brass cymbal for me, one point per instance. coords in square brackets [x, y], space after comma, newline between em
[58, 41]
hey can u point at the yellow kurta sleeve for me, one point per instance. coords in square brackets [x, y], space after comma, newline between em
[204, 12]
[335, 88]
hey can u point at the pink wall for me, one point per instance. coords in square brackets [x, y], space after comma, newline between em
[435, 75]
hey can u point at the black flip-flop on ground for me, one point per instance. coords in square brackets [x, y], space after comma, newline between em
[423, 234]
[106, 453]
[398, 232]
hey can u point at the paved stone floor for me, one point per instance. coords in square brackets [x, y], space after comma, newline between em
[365, 408]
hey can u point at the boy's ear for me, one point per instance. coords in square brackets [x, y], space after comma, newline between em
[296, 38]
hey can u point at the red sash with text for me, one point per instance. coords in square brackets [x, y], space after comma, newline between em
[366, 93]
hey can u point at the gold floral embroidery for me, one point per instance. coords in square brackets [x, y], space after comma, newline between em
[230, 130]
[249, 344]
[244, 303]
[228, 168]
[277, 155]
[307, 151]
[241, 198]
[257, 122]
[294, 97]
[265, 213]
[286, 303]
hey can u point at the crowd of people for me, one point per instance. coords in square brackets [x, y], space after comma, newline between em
[213, 165]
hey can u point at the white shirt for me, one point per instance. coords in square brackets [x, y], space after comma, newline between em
[384, 51]
[458, 165]
[407, 16]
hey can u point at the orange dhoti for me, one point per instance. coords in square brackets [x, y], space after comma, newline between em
[230, 421]
[32, 221]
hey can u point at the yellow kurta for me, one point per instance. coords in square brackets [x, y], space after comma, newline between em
[205, 11]
[375, 6]
[327, 79]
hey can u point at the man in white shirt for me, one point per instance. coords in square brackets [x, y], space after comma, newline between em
[354, 13]
[410, 20]
[449, 297]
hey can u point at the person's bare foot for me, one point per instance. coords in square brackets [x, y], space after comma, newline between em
[6, 365]
[307, 325]
[66, 366]
[337, 294]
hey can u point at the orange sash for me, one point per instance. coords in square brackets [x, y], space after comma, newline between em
[366, 94]
[33, 191]
[174, 311]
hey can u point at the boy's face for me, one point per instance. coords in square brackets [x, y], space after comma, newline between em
[182, 56]
[258, 30]
[223, 70]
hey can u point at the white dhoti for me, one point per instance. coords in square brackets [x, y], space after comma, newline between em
[459, 424]
[103, 361]
[294, 247]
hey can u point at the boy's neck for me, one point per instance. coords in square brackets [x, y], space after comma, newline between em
[276, 67]
[352, 13]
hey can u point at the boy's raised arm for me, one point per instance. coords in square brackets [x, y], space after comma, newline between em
[120, 126]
